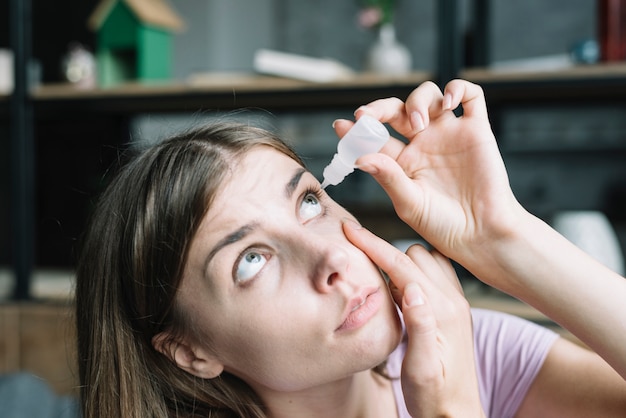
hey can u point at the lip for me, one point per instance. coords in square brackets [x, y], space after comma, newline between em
[361, 309]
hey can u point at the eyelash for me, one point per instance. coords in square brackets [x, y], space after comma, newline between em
[318, 193]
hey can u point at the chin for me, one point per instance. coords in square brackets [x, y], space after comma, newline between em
[384, 337]
[394, 326]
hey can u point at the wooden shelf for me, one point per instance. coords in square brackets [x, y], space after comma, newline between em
[592, 82]
[576, 73]
[227, 92]
[40, 338]
[231, 91]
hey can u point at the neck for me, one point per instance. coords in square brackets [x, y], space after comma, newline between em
[363, 395]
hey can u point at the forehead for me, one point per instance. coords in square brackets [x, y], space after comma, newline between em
[261, 170]
[260, 175]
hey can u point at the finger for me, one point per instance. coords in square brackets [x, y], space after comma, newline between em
[393, 147]
[424, 258]
[425, 103]
[421, 325]
[448, 269]
[396, 294]
[470, 95]
[435, 265]
[421, 368]
[404, 193]
[398, 266]
[438, 270]
[342, 126]
[427, 264]
[391, 111]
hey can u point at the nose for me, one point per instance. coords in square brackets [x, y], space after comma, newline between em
[320, 256]
[330, 266]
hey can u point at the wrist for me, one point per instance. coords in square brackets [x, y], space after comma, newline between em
[502, 249]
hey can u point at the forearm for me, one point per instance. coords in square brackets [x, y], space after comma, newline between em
[537, 265]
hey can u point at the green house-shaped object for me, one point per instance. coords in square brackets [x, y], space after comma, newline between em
[133, 40]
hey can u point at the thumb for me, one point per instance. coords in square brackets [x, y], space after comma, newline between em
[398, 186]
[422, 365]
[421, 328]
[342, 126]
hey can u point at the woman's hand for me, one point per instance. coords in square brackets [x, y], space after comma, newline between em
[448, 180]
[438, 371]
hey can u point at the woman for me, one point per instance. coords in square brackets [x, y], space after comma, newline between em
[217, 279]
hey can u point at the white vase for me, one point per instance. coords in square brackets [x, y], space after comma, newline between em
[387, 55]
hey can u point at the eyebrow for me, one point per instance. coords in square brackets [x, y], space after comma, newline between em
[240, 233]
[231, 239]
[293, 183]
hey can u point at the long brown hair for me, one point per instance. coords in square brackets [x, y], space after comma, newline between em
[131, 263]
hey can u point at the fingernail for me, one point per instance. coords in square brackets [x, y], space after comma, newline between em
[447, 101]
[417, 122]
[333, 125]
[413, 295]
[359, 108]
[351, 223]
[368, 168]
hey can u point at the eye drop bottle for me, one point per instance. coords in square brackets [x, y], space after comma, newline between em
[368, 135]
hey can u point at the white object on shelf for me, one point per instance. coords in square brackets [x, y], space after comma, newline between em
[555, 62]
[300, 67]
[387, 55]
[48, 284]
[6, 71]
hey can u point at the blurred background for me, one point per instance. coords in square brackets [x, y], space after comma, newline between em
[554, 74]
[563, 133]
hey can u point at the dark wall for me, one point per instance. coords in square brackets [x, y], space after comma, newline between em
[55, 25]
[69, 159]
[4, 152]
[4, 191]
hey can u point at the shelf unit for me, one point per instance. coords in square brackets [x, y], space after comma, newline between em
[59, 101]
[599, 83]
[218, 92]
[22, 148]
[584, 85]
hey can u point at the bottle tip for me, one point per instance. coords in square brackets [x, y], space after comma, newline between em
[325, 184]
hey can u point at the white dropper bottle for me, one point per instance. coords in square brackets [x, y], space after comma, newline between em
[368, 135]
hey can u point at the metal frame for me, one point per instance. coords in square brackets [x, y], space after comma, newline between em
[22, 151]
[449, 41]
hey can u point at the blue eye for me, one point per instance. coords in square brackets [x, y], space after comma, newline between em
[249, 265]
[310, 206]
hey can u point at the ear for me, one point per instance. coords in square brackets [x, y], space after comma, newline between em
[193, 359]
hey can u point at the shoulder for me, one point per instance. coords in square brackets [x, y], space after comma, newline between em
[509, 353]
[499, 335]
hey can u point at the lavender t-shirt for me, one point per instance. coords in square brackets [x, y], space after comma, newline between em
[509, 352]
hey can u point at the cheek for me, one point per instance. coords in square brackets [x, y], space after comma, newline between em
[294, 347]
[276, 350]
[256, 324]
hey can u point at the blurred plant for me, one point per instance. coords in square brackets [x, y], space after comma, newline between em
[375, 13]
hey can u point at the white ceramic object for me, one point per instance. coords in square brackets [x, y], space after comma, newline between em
[387, 55]
[6, 71]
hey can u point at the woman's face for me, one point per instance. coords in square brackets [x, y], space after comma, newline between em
[276, 292]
